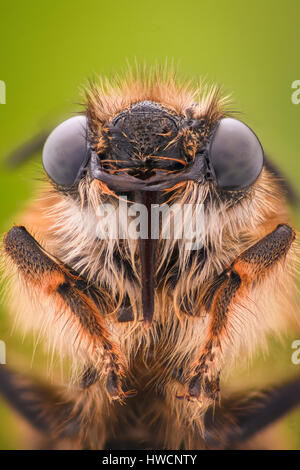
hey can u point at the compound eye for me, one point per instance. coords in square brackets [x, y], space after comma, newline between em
[65, 152]
[235, 155]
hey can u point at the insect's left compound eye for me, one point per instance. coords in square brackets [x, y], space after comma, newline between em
[65, 152]
[235, 155]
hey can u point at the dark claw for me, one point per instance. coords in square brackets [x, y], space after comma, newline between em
[195, 386]
[113, 385]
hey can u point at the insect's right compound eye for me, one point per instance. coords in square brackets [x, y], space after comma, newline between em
[66, 152]
[235, 155]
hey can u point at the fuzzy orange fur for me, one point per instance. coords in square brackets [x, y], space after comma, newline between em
[66, 230]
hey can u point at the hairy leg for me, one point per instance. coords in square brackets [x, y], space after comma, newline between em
[240, 417]
[42, 406]
[72, 297]
[230, 287]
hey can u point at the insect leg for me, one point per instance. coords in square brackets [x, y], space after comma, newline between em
[42, 406]
[285, 185]
[27, 150]
[231, 286]
[71, 297]
[241, 417]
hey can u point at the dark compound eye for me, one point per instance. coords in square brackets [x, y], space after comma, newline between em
[235, 155]
[66, 152]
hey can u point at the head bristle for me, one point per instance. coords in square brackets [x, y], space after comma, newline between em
[107, 98]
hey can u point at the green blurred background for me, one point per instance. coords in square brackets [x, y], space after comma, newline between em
[49, 48]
